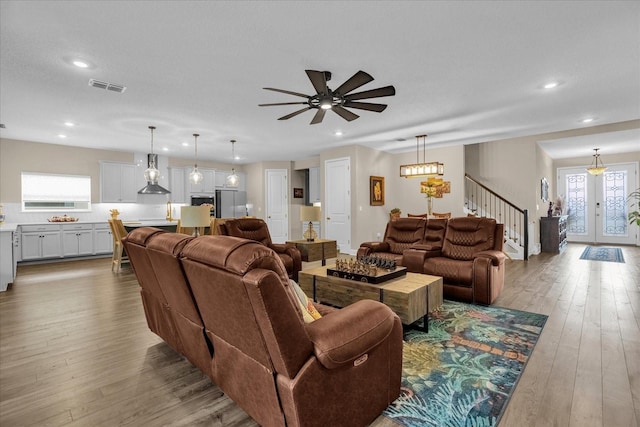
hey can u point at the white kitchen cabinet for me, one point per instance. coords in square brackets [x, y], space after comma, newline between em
[102, 239]
[207, 186]
[7, 260]
[177, 184]
[118, 182]
[77, 239]
[40, 241]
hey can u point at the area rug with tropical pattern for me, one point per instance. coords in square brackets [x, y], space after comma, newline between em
[463, 371]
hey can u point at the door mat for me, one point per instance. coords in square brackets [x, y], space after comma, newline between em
[599, 253]
[464, 370]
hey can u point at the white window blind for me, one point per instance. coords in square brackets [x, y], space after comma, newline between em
[48, 191]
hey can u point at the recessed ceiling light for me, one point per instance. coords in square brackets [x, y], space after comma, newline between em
[185, 144]
[587, 120]
[338, 133]
[69, 124]
[551, 85]
[61, 135]
[80, 64]
[165, 149]
[236, 158]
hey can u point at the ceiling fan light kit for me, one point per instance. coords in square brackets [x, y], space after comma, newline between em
[337, 100]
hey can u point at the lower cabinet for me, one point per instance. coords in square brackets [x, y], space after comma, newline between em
[102, 239]
[77, 240]
[41, 242]
[46, 241]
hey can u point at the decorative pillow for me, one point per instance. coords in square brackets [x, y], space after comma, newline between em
[309, 312]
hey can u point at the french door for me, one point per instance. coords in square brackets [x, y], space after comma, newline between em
[597, 205]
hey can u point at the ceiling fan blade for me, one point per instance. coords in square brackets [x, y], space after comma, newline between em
[366, 106]
[295, 113]
[318, 80]
[282, 103]
[358, 79]
[287, 92]
[345, 114]
[373, 93]
[318, 117]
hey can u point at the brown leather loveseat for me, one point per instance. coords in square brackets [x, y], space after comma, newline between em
[230, 301]
[466, 252]
[469, 259]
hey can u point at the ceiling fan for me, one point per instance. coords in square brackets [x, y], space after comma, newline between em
[336, 100]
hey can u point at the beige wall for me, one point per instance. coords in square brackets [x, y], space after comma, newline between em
[23, 156]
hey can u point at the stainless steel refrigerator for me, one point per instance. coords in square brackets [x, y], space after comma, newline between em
[231, 204]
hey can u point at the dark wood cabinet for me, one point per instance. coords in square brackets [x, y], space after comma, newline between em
[553, 233]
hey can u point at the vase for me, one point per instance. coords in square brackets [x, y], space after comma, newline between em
[429, 205]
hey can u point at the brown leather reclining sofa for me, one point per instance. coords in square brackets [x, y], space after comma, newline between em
[466, 252]
[227, 305]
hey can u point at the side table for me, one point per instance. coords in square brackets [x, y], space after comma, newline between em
[319, 249]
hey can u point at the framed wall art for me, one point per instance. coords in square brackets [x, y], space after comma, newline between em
[376, 190]
[298, 193]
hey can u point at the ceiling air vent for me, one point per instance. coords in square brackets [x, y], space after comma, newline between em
[107, 86]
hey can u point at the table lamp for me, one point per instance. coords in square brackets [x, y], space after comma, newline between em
[310, 214]
[195, 216]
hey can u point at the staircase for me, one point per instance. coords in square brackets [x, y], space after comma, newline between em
[482, 201]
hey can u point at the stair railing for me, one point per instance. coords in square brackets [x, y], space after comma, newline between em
[483, 201]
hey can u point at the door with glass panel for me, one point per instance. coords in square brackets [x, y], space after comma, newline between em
[597, 205]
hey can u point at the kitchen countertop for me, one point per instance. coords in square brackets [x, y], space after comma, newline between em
[9, 227]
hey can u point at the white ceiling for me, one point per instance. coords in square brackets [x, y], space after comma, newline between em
[464, 72]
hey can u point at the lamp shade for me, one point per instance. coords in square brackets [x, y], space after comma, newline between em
[195, 216]
[310, 213]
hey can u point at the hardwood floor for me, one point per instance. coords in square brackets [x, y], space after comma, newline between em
[75, 349]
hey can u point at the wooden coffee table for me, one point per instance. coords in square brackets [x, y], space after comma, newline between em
[411, 297]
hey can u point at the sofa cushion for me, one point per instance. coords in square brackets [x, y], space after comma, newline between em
[309, 312]
[453, 272]
[404, 232]
[466, 236]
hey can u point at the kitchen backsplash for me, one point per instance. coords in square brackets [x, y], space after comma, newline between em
[99, 212]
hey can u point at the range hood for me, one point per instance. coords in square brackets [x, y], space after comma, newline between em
[153, 187]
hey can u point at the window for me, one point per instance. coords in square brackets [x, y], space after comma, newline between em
[48, 192]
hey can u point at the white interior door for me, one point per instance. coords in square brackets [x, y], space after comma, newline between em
[597, 205]
[277, 201]
[337, 198]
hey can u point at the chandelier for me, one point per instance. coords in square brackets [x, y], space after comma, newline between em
[597, 167]
[233, 180]
[419, 169]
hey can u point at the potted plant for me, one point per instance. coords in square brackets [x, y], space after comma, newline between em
[634, 216]
[394, 214]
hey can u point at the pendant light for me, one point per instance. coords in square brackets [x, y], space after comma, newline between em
[152, 174]
[196, 176]
[420, 169]
[233, 180]
[596, 168]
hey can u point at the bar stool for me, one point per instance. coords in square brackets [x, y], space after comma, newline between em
[119, 254]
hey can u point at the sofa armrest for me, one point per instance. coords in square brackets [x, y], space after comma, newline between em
[376, 246]
[347, 335]
[497, 258]
[291, 251]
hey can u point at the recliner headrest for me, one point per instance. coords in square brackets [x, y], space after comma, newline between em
[141, 235]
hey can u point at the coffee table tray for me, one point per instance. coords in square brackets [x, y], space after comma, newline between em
[381, 277]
